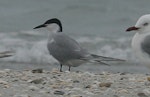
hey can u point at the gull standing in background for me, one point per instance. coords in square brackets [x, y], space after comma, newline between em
[66, 50]
[141, 40]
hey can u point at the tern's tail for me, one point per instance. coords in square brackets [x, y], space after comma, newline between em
[6, 54]
[100, 59]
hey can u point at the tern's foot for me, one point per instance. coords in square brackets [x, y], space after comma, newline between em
[69, 68]
[60, 68]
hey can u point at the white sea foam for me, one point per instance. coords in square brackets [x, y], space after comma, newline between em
[90, 40]
[36, 51]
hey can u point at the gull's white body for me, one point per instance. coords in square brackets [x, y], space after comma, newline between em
[141, 40]
[143, 57]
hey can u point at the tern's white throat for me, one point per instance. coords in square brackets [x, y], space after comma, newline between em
[54, 28]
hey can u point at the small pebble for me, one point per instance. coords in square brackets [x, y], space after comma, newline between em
[147, 83]
[37, 81]
[142, 95]
[6, 86]
[88, 86]
[146, 91]
[59, 92]
[123, 78]
[108, 84]
[3, 82]
[33, 88]
[21, 95]
[123, 73]
[44, 92]
[122, 91]
[37, 71]
[76, 96]
[76, 81]
[115, 96]
[148, 78]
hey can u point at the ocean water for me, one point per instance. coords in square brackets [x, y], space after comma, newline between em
[99, 25]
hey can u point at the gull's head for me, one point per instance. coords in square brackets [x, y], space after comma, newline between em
[142, 25]
[53, 25]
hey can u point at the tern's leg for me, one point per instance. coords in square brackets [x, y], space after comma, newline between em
[60, 67]
[69, 68]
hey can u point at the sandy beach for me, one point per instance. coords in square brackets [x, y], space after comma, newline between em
[41, 83]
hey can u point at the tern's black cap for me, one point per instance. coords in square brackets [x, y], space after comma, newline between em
[51, 21]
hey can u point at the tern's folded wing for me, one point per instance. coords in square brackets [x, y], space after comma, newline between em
[65, 48]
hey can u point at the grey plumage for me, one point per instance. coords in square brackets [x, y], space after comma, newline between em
[6, 54]
[66, 50]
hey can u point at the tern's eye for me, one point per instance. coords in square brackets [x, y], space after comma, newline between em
[145, 24]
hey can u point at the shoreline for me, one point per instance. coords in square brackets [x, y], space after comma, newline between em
[42, 83]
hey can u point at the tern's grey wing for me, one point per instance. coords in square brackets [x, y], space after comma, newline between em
[145, 45]
[6, 54]
[65, 48]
